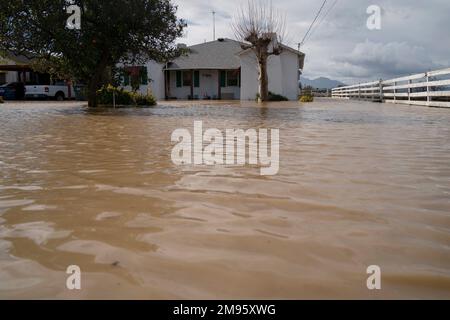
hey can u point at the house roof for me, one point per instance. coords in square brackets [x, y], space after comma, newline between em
[222, 54]
[301, 55]
[11, 58]
[219, 54]
[11, 62]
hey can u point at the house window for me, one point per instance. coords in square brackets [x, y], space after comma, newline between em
[135, 76]
[187, 79]
[233, 78]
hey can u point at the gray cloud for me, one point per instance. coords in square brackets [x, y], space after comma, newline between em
[385, 60]
[414, 37]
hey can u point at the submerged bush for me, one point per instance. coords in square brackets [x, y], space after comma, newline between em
[273, 97]
[306, 98]
[145, 100]
[307, 95]
[123, 98]
[277, 97]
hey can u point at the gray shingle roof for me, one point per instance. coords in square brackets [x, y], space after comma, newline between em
[210, 55]
[301, 55]
[17, 59]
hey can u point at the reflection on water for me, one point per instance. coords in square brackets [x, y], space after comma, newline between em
[359, 184]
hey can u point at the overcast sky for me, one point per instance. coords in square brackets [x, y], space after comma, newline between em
[414, 35]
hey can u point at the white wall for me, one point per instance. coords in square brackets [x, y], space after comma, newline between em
[156, 74]
[275, 74]
[282, 71]
[156, 85]
[249, 77]
[290, 75]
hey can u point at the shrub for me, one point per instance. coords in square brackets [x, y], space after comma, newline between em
[277, 97]
[123, 98]
[274, 97]
[306, 98]
[307, 95]
[145, 100]
[105, 96]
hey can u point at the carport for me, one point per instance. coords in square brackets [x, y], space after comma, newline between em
[25, 74]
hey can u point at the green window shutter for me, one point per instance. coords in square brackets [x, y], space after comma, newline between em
[179, 79]
[196, 79]
[144, 75]
[223, 78]
[126, 78]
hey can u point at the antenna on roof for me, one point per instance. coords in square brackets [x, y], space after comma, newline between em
[214, 25]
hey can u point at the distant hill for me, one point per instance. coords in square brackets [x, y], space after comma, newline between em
[320, 83]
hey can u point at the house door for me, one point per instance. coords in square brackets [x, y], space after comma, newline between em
[208, 84]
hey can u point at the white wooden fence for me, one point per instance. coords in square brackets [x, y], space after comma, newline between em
[430, 89]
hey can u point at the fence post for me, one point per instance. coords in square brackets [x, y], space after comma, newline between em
[395, 91]
[359, 91]
[428, 89]
[381, 90]
[409, 90]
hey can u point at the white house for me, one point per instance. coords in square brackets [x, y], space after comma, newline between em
[219, 69]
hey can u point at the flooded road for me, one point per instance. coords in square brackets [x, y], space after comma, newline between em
[359, 184]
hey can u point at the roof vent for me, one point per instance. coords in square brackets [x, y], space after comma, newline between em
[221, 39]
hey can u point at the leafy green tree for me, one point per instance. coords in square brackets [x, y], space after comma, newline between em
[112, 32]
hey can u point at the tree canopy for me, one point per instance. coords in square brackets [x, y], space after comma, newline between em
[112, 32]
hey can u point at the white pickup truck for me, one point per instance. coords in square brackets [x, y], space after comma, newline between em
[59, 91]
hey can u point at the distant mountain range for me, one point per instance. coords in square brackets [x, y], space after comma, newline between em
[320, 83]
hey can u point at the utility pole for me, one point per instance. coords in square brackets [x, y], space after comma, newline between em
[214, 25]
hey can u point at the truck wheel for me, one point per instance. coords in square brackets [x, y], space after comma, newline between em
[59, 96]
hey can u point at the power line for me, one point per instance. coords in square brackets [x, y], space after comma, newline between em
[312, 24]
[322, 20]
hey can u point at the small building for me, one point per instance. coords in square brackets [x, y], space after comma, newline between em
[18, 69]
[218, 70]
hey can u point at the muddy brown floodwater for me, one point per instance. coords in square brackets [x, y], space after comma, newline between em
[359, 184]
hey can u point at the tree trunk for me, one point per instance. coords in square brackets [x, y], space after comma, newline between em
[92, 94]
[263, 88]
[96, 80]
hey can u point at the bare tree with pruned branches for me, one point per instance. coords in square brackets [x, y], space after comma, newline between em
[261, 28]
